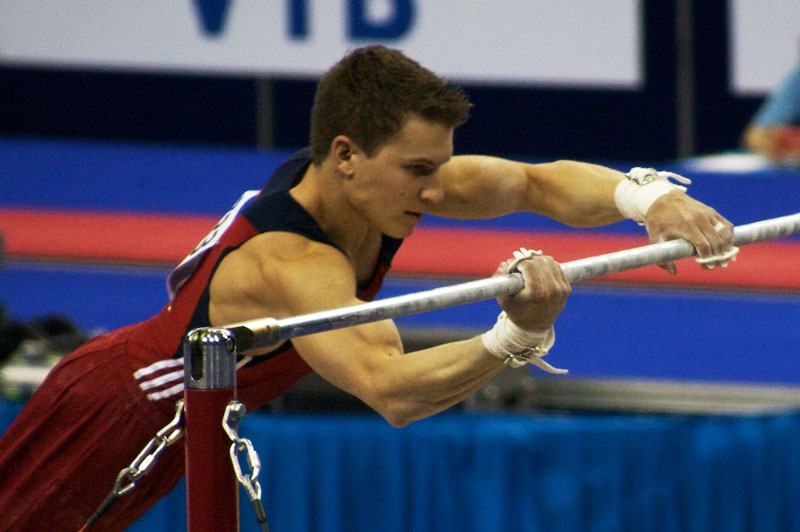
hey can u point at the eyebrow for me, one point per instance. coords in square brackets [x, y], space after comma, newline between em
[423, 161]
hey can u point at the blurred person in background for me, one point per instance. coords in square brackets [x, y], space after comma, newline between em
[774, 131]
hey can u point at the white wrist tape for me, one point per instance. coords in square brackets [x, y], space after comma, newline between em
[517, 346]
[521, 255]
[643, 186]
[722, 259]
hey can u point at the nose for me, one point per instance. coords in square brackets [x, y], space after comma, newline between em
[432, 192]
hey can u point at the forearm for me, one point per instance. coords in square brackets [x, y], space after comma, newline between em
[426, 382]
[575, 193]
[436, 378]
[759, 140]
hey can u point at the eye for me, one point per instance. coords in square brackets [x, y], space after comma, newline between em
[421, 169]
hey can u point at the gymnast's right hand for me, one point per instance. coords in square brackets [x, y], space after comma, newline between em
[544, 296]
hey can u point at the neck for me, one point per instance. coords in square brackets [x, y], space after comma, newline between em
[320, 193]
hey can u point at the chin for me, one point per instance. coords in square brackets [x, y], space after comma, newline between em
[399, 232]
[401, 227]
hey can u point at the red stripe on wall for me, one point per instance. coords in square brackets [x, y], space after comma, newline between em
[773, 265]
[165, 239]
[124, 237]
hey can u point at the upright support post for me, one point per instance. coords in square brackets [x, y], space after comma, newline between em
[212, 494]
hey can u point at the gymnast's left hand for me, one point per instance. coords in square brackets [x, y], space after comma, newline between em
[677, 215]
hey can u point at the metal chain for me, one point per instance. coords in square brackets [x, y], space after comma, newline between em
[230, 423]
[145, 460]
[127, 478]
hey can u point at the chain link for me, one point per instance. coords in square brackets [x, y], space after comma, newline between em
[127, 478]
[148, 456]
[230, 423]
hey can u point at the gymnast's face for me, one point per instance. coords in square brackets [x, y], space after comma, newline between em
[394, 187]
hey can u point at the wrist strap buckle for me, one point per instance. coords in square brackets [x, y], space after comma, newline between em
[526, 356]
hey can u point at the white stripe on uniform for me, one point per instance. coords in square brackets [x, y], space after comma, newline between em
[161, 385]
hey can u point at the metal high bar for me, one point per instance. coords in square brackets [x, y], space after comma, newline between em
[264, 332]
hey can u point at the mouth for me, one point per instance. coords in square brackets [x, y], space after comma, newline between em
[416, 215]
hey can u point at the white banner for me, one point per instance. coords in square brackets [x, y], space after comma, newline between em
[542, 42]
[764, 43]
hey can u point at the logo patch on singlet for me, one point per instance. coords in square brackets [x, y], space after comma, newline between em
[178, 277]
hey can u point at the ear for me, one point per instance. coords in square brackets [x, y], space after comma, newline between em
[344, 152]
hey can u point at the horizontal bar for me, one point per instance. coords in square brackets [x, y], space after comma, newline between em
[264, 332]
[630, 259]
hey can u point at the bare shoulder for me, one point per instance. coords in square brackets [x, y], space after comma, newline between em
[279, 274]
